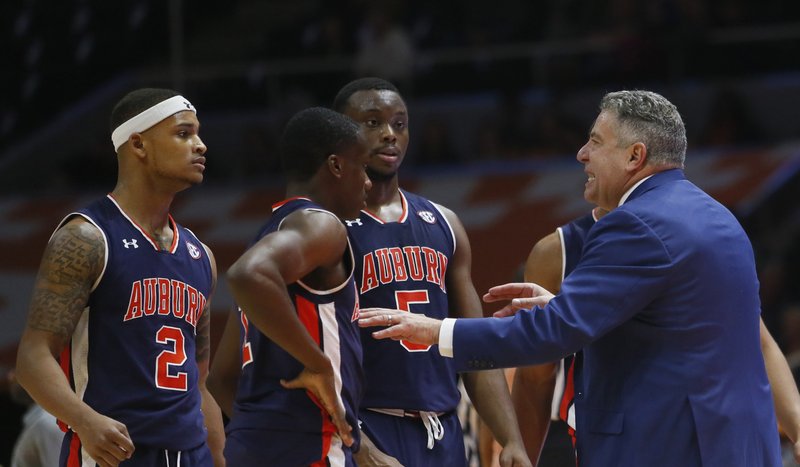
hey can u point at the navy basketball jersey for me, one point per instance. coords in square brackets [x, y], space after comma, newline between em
[402, 265]
[330, 317]
[573, 236]
[132, 355]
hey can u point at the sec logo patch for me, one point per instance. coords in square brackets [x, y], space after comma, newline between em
[427, 216]
[194, 252]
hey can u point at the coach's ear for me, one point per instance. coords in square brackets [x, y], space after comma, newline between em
[637, 157]
[334, 164]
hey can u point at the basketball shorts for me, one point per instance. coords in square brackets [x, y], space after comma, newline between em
[258, 448]
[72, 455]
[407, 436]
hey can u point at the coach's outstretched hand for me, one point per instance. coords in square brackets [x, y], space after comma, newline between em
[323, 388]
[401, 325]
[522, 296]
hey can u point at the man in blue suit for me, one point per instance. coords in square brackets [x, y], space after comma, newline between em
[664, 303]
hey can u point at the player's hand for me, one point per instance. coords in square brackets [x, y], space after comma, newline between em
[796, 451]
[522, 296]
[369, 455]
[401, 325]
[322, 386]
[106, 440]
[514, 455]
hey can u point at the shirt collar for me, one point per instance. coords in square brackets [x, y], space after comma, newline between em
[630, 190]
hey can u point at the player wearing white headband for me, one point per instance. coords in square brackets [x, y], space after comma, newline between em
[121, 306]
[148, 118]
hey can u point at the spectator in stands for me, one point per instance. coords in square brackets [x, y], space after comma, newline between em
[385, 48]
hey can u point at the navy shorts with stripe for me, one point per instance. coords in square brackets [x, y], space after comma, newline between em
[406, 439]
[143, 456]
[258, 448]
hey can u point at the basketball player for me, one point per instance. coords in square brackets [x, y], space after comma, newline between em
[414, 255]
[299, 355]
[542, 393]
[553, 258]
[122, 300]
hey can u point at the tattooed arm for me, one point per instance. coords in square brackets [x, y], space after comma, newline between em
[211, 412]
[72, 262]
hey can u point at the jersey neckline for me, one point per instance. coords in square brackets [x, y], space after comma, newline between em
[403, 215]
[175, 233]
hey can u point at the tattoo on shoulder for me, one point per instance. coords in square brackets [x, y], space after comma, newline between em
[72, 262]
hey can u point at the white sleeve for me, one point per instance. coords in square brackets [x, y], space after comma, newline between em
[446, 337]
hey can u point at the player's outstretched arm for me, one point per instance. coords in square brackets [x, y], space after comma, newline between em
[72, 262]
[784, 389]
[308, 241]
[211, 411]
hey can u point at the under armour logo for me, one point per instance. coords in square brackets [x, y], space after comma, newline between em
[353, 222]
[130, 243]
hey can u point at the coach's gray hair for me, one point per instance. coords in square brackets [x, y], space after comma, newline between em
[649, 118]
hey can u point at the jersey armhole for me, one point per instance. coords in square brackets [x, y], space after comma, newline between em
[447, 222]
[563, 252]
[349, 249]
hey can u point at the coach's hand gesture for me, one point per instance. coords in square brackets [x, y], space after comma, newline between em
[522, 295]
[401, 325]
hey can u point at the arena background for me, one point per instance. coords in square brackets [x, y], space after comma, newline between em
[501, 96]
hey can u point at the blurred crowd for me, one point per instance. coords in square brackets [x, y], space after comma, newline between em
[58, 53]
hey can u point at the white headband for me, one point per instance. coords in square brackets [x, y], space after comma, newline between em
[148, 118]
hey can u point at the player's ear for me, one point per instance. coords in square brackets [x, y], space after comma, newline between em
[334, 164]
[137, 144]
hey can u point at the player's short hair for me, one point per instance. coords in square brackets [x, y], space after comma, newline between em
[310, 136]
[136, 102]
[361, 84]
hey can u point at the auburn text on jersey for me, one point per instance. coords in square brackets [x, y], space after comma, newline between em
[399, 264]
[158, 295]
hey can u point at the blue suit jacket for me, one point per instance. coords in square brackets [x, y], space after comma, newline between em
[664, 303]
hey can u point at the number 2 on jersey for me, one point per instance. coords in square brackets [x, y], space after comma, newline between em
[171, 358]
[404, 300]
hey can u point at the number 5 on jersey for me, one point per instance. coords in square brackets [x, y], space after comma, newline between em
[404, 300]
